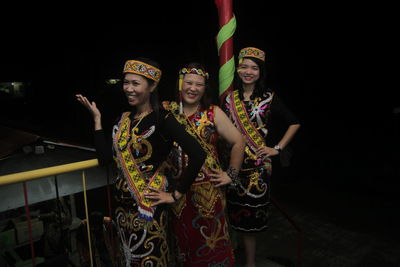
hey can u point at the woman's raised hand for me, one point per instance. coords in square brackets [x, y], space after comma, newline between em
[91, 106]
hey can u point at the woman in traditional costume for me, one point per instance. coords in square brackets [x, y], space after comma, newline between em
[199, 222]
[249, 107]
[141, 141]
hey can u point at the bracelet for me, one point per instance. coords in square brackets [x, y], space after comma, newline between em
[234, 175]
[174, 197]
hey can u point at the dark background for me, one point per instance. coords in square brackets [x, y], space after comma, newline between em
[326, 66]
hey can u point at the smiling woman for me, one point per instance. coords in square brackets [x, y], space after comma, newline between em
[139, 83]
[249, 107]
[199, 220]
[141, 141]
[193, 89]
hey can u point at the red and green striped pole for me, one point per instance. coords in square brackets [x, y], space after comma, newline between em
[227, 23]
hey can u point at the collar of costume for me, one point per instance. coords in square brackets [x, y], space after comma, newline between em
[251, 52]
[137, 183]
[144, 69]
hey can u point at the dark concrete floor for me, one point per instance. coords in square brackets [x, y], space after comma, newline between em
[341, 228]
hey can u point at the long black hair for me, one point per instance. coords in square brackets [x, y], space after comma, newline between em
[260, 86]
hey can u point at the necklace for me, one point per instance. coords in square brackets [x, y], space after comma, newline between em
[134, 139]
[140, 117]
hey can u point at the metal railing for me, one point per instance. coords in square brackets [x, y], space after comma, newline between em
[23, 177]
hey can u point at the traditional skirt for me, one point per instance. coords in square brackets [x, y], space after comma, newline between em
[201, 228]
[142, 242]
[248, 203]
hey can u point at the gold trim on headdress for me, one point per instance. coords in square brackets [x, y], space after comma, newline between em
[194, 71]
[251, 52]
[144, 69]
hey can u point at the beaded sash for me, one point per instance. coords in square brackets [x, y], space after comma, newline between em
[205, 194]
[137, 183]
[253, 137]
[242, 120]
[210, 161]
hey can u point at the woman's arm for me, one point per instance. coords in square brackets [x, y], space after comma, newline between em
[284, 113]
[231, 134]
[91, 106]
[288, 136]
[175, 131]
[267, 151]
[228, 131]
[172, 130]
[103, 148]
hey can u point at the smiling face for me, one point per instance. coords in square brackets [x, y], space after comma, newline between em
[193, 88]
[137, 89]
[248, 71]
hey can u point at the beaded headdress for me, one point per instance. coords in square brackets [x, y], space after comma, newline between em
[200, 72]
[184, 71]
[251, 52]
[144, 69]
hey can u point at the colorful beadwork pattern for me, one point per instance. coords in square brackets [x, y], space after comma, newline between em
[252, 52]
[194, 71]
[136, 182]
[141, 68]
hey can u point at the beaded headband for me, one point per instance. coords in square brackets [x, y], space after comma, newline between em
[194, 71]
[144, 69]
[251, 52]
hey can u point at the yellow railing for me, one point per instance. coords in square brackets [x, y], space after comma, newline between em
[82, 165]
[23, 177]
[50, 171]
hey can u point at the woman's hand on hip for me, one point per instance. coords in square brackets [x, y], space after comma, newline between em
[158, 196]
[220, 178]
[266, 151]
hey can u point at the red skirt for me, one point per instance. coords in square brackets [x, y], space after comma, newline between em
[201, 228]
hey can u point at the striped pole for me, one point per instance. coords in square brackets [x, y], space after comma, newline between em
[227, 23]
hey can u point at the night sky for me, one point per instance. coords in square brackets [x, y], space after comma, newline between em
[323, 65]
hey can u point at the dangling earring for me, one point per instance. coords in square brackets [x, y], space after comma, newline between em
[238, 67]
[180, 94]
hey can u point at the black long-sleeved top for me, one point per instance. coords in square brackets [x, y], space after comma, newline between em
[159, 132]
[279, 108]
